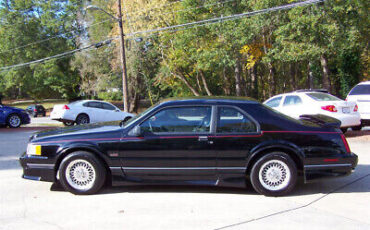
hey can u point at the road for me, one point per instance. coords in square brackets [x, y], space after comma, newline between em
[341, 203]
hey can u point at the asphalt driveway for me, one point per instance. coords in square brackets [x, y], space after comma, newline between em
[341, 203]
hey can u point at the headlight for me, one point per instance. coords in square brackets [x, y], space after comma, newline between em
[34, 149]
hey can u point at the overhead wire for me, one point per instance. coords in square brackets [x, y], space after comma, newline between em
[179, 27]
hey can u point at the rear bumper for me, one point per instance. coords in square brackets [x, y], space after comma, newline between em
[37, 168]
[324, 171]
[349, 120]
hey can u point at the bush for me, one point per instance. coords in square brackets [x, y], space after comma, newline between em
[110, 96]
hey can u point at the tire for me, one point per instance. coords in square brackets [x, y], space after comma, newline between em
[274, 174]
[82, 119]
[126, 119]
[344, 130]
[14, 121]
[35, 115]
[44, 114]
[81, 173]
[357, 128]
[68, 123]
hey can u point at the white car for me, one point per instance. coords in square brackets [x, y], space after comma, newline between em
[304, 102]
[361, 95]
[88, 111]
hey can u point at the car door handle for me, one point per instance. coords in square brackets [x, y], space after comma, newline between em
[203, 138]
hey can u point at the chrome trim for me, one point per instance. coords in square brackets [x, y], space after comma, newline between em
[41, 166]
[36, 157]
[328, 165]
[114, 168]
[184, 168]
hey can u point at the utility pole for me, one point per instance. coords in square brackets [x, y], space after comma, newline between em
[126, 105]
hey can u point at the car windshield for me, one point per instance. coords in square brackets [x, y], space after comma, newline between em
[323, 97]
[360, 90]
[134, 119]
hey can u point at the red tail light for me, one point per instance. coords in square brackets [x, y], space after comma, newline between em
[345, 143]
[355, 109]
[65, 107]
[330, 108]
[35, 110]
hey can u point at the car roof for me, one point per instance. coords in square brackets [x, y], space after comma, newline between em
[364, 83]
[208, 100]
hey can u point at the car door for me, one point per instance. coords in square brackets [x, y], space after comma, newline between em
[111, 113]
[175, 146]
[95, 111]
[236, 134]
[293, 106]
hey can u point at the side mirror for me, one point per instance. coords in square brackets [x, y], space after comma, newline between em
[135, 132]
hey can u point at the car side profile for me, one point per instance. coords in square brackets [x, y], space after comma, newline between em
[13, 117]
[360, 94]
[303, 102]
[202, 141]
[88, 111]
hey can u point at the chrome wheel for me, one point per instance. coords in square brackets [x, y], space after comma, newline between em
[80, 175]
[14, 121]
[274, 175]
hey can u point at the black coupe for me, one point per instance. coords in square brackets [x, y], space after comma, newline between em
[195, 141]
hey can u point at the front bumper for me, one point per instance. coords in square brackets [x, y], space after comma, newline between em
[38, 168]
[343, 167]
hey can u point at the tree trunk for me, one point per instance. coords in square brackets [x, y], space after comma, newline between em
[238, 89]
[182, 78]
[272, 79]
[310, 75]
[205, 83]
[254, 82]
[198, 82]
[225, 86]
[325, 71]
[292, 73]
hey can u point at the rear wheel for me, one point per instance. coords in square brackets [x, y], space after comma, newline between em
[82, 119]
[14, 121]
[68, 123]
[81, 173]
[344, 130]
[274, 174]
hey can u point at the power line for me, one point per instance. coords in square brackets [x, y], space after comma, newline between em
[176, 28]
[97, 45]
[231, 17]
[53, 37]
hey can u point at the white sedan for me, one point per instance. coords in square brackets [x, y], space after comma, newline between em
[88, 111]
[303, 102]
[361, 95]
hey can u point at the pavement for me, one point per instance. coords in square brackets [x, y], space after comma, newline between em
[341, 203]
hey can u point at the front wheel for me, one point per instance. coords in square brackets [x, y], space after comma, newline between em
[14, 121]
[81, 173]
[357, 128]
[274, 174]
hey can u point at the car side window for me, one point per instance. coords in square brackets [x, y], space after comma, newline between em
[94, 104]
[231, 120]
[273, 103]
[292, 100]
[108, 106]
[179, 120]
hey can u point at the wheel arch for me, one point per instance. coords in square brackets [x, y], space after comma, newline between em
[296, 155]
[86, 148]
[83, 113]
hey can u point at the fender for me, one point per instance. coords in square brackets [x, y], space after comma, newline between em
[279, 144]
[78, 146]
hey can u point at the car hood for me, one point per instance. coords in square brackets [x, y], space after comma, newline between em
[12, 108]
[75, 131]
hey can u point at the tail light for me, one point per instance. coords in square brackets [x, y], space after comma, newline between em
[355, 109]
[65, 107]
[348, 150]
[330, 108]
[35, 110]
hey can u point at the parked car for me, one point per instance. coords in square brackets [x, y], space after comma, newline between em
[302, 102]
[35, 110]
[88, 111]
[219, 142]
[360, 94]
[13, 117]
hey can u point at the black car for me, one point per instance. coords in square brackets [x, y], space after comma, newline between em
[35, 110]
[204, 141]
